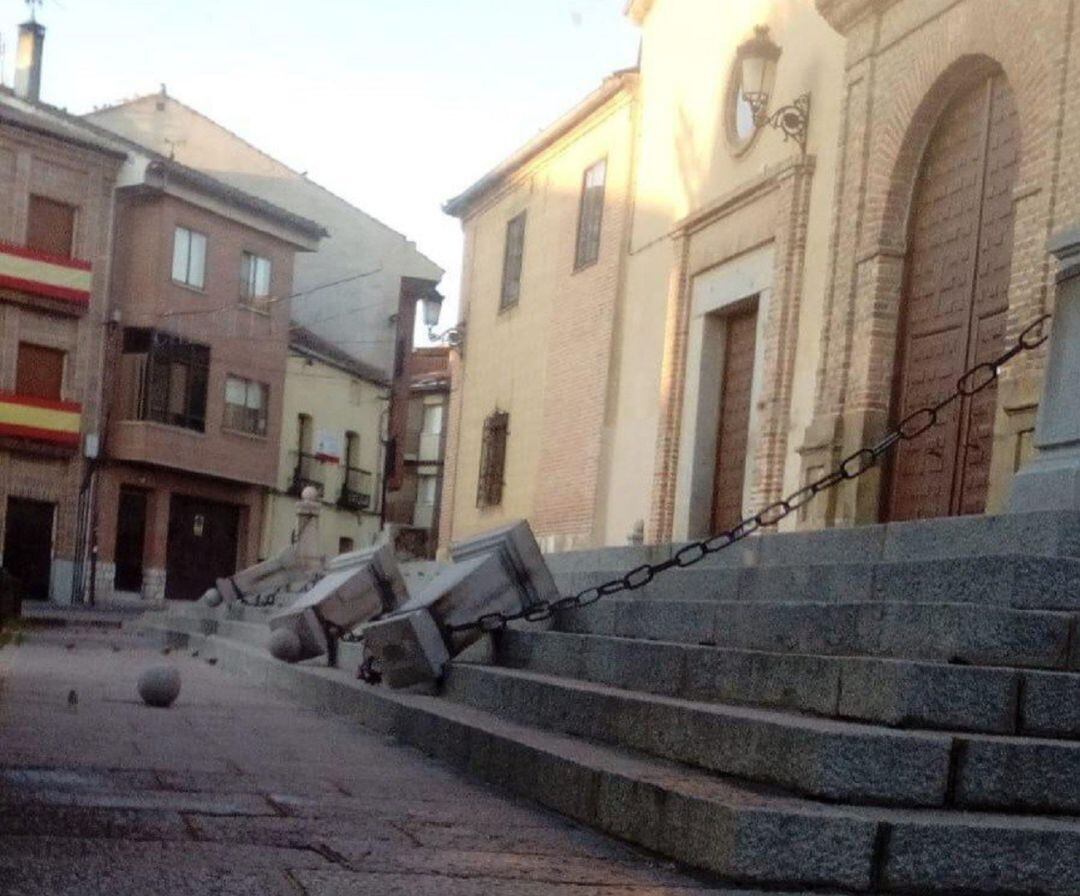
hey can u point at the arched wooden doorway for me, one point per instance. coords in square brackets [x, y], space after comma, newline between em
[954, 301]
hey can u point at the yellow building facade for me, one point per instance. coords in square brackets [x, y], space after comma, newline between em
[773, 306]
[333, 424]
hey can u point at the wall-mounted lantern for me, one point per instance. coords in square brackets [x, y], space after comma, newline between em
[757, 59]
[432, 309]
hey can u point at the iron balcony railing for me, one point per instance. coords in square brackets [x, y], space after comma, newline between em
[357, 490]
[308, 471]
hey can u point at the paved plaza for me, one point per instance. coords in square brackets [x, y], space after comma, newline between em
[233, 791]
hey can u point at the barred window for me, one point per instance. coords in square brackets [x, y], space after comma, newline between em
[590, 215]
[512, 257]
[493, 459]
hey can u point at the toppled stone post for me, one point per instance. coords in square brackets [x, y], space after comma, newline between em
[297, 564]
[357, 587]
[501, 571]
[1051, 480]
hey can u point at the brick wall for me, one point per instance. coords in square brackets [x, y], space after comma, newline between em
[545, 360]
[33, 163]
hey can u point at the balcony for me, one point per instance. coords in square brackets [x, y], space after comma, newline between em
[357, 490]
[54, 423]
[308, 471]
[29, 271]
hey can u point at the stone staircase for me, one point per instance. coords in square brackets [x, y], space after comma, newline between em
[892, 709]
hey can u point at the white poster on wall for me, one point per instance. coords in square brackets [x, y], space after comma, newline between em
[328, 446]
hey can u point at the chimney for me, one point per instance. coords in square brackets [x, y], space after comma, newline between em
[28, 61]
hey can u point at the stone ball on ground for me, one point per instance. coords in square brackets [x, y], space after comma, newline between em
[285, 645]
[212, 597]
[159, 686]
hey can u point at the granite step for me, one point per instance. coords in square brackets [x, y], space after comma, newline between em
[1043, 534]
[745, 834]
[962, 634]
[897, 693]
[1040, 583]
[821, 758]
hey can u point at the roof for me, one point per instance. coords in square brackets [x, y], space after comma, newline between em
[60, 123]
[299, 174]
[56, 124]
[169, 169]
[304, 342]
[613, 85]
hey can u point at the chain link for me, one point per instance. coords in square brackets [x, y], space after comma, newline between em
[915, 424]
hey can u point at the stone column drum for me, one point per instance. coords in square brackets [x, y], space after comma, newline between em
[1051, 481]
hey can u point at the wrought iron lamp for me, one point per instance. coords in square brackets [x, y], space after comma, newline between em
[757, 60]
[432, 307]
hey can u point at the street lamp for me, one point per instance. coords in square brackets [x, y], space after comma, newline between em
[432, 302]
[757, 60]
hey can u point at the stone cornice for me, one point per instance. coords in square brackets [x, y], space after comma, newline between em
[636, 10]
[843, 14]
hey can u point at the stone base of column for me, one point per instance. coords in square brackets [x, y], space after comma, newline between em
[1050, 481]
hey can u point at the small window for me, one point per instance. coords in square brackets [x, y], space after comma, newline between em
[50, 227]
[39, 372]
[493, 459]
[432, 423]
[254, 278]
[345, 545]
[189, 258]
[513, 253]
[245, 405]
[590, 215]
[352, 450]
[425, 489]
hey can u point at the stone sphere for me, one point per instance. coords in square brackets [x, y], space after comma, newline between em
[309, 494]
[285, 645]
[159, 686]
[212, 597]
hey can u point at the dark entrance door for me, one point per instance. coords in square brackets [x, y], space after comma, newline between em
[202, 547]
[955, 301]
[28, 534]
[130, 539]
[740, 339]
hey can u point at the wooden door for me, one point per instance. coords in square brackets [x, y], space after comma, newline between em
[954, 302]
[130, 539]
[202, 546]
[740, 341]
[28, 534]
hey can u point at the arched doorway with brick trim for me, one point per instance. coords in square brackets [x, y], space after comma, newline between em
[954, 299]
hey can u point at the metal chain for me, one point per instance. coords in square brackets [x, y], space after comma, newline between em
[973, 381]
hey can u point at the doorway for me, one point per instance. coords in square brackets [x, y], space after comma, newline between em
[202, 545]
[130, 539]
[733, 432]
[954, 303]
[28, 544]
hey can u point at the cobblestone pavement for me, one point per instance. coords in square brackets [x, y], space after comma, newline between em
[233, 791]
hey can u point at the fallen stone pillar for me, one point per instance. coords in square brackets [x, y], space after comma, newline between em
[501, 571]
[357, 587]
[1051, 480]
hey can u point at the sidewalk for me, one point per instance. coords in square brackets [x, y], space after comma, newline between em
[233, 791]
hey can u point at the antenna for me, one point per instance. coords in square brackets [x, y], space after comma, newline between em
[33, 7]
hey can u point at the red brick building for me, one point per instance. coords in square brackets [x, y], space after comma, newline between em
[196, 367]
[56, 187]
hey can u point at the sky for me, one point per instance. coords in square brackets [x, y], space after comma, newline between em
[395, 105]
